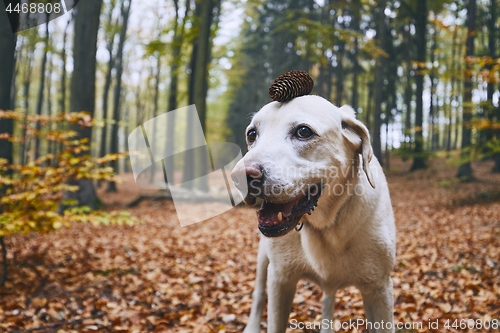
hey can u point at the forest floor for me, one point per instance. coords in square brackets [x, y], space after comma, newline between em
[158, 277]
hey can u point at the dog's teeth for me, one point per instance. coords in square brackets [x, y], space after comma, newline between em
[280, 216]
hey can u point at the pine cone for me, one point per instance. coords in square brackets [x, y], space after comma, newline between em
[290, 85]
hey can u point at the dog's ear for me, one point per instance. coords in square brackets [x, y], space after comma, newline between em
[356, 133]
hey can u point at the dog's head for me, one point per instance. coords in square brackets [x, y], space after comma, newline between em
[296, 151]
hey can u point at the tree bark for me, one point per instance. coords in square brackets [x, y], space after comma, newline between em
[84, 58]
[408, 92]
[107, 85]
[452, 92]
[7, 65]
[152, 140]
[26, 95]
[465, 170]
[83, 82]
[434, 107]
[198, 82]
[421, 31]
[5, 271]
[39, 104]
[62, 100]
[379, 83]
[118, 90]
[356, 69]
[174, 76]
[495, 112]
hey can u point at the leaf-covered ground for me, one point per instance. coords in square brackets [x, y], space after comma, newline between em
[159, 277]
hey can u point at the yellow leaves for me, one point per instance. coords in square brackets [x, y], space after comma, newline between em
[111, 157]
[74, 161]
[482, 124]
[35, 191]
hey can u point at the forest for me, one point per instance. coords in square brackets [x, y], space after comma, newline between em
[84, 248]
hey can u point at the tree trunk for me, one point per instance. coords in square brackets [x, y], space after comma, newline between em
[83, 82]
[408, 131]
[39, 104]
[50, 111]
[26, 93]
[421, 31]
[107, 85]
[465, 170]
[356, 69]
[379, 83]
[5, 271]
[63, 98]
[152, 140]
[433, 111]
[174, 77]
[7, 65]
[495, 112]
[198, 84]
[452, 93]
[118, 90]
[458, 93]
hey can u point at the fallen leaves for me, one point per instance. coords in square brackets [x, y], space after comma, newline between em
[159, 277]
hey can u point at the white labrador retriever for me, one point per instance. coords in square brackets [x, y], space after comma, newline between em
[308, 153]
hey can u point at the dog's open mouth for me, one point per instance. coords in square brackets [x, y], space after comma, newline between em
[278, 219]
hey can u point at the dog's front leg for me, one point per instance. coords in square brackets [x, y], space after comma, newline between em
[327, 304]
[281, 290]
[379, 307]
[259, 293]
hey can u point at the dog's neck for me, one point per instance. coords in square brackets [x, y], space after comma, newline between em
[335, 199]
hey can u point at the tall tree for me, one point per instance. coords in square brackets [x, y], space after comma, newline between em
[379, 81]
[465, 169]
[203, 57]
[408, 89]
[356, 68]
[126, 4]
[421, 32]
[62, 100]
[177, 42]
[198, 82]
[453, 94]
[83, 81]
[7, 65]
[30, 44]
[110, 34]
[434, 105]
[492, 48]
[41, 88]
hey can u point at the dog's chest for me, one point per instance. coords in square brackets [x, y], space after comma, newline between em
[329, 266]
[312, 258]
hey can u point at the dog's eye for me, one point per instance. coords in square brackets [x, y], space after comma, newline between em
[304, 132]
[251, 136]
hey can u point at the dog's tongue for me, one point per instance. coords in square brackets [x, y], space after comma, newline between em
[269, 213]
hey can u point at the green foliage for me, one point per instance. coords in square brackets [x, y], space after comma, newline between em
[34, 194]
[407, 152]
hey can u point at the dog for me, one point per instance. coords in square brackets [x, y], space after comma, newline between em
[311, 165]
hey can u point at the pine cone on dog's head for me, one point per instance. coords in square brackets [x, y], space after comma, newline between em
[290, 85]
